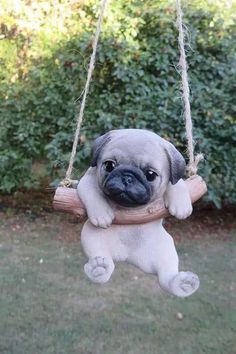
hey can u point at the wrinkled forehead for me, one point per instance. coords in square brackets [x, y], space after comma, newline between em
[136, 150]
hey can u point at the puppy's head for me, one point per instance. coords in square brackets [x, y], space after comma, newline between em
[134, 166]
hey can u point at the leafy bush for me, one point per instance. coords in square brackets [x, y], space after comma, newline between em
[135, 84]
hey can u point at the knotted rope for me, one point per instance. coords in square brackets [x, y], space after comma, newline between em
[66, 182]
[193, 160]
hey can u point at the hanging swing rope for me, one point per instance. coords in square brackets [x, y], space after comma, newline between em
[67, 199]
[193, 160]
[66, 182]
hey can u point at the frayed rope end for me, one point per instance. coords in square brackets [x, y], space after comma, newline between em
[69, 183]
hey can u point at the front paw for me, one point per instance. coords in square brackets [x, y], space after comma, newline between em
[181, 209]
[177, 200]
[101, 216]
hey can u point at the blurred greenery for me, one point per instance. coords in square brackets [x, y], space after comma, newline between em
[44, 54]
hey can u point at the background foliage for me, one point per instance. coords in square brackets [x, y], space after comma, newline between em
[44, 53]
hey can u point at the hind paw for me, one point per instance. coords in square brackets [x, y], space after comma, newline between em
[184, 284]
[99, 269]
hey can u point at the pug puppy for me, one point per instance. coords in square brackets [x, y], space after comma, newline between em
[131, 168]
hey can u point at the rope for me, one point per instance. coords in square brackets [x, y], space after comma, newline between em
[67, 180]
[193, 160]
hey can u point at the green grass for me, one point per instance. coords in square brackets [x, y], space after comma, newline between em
[48, 306]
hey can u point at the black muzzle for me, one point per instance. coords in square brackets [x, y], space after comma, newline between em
[127, 186]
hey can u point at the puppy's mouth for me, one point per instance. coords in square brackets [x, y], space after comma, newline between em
[127, 187]
[126, 200]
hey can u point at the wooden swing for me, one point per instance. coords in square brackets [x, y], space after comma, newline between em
[66, 198]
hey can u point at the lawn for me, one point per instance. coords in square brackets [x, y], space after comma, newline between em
[48, 306]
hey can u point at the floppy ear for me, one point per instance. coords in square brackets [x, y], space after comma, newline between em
[176, 162]
[97, 147]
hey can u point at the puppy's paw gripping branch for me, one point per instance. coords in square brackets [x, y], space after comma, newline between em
[67, 200]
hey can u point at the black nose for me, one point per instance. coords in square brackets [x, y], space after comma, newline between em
[127, 179]
[127, 186]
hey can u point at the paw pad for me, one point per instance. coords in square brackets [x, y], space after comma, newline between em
[99, 269]
[184, 284]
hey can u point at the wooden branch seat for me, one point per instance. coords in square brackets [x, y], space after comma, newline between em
[67, 200]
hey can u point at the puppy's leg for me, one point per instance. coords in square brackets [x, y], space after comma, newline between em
[181, 284]
[157, 255]
[100, 265]
[177, 200]
[99, 211]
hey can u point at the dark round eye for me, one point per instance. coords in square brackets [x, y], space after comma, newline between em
[150, 175]
[109, 165]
